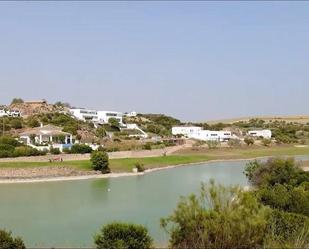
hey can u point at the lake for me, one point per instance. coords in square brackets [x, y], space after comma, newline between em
[69, 213]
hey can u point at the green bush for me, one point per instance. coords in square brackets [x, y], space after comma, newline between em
[147, 146]
[249, 141]
[284, 225]
[233, 142]
[266, 142]
[16, 123]
[140, 167]
[99, 160]
[27, 151]
[8, 242]
[286, 198]
[275, 171]
[80, 149]
[219, 217]
[9, 140]
[123, 236]
[54, 151]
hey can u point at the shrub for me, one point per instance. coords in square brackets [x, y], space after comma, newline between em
[275, 171]
[286, 198]
[80, 149]
[249, 141]
[27, 151]
[284, 225]
[99, 160]
[140, 167]
[9, 140]
[266, 142]
[123, 236]
[215, 220]
[16, 123]
[101, 148]
[212, 144]
[8, 242]
[234, 142]
[147, 146]
[33, 122]
[54, 151]
[100, 132]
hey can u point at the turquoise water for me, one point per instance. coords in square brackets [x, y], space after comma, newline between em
[69, 213]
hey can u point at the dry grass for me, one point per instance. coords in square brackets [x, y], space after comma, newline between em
[304, 119]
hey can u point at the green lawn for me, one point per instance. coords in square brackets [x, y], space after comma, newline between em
[189, 156]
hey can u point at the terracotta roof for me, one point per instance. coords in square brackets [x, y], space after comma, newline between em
[45, 130]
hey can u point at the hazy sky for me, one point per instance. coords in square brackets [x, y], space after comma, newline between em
[192, 60]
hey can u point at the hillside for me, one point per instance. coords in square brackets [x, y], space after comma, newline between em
[303, 119]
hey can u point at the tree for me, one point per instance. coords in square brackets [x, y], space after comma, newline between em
[113, 122]
[249, 141]
[123, 236]
[219, 217]
[17, 101]
[99, 160]
[101, 132]
[8, 242]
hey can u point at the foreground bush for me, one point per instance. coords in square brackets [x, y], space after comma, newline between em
[219, 218]
[123, 236]
[8, 242]
[99, 160]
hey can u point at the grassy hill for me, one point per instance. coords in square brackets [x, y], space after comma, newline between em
[303, 119]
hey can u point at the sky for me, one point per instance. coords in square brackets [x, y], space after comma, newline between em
[193, 60]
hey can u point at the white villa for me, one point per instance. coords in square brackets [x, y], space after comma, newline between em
[46, 135]
[185, 130]
[101, 117]
[260, 133]
[85, 115]
[104, 116]
[207, 135]
[197, 132]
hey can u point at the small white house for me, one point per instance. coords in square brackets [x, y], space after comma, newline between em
[207, 135]
[185, 130]
[260, 133]
[46, 135]
[85, 114]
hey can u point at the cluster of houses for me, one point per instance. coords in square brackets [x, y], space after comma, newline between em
[198, 133]
[9, 113]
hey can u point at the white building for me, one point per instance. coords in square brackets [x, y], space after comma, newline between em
[260, 133]
[185, 130]
[104, 116]
[207, 135]
[13, 113]
[131, 114]
[3, 113]
[101, 117]
[85, 114]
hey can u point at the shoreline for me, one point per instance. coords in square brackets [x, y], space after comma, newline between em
[123, 174]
